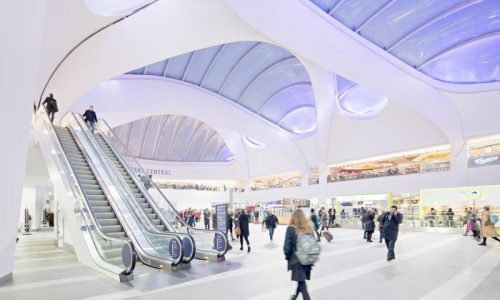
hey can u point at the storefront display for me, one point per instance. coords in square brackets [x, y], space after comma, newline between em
[276, 181]
[409, 205]
[348, 207]
[419, 161]
[447, 207]
[484, 151]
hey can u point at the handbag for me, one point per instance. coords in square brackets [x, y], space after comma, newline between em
[237, 231]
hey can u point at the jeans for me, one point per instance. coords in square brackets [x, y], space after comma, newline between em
[91, 126]
[390, 247]
[271, 232]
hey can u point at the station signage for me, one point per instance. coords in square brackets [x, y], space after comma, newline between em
[151, 171]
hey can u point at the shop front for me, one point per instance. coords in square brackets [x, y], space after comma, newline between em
[446, 208]
[349, 207]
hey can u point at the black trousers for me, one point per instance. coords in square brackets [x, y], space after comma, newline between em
[390, 248]
[369, 235]
[51, 116]
[302, 288]
[246, 240]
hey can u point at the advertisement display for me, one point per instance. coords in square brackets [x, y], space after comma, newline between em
[219, 242]
[221, 211]
[174, 248]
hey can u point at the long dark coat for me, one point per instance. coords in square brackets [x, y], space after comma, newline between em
[299, 272]
[243, 221]
[369, 223]
[390, 225]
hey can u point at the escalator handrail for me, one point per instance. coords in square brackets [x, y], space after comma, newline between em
[152, 203]
[111, 199]
[189, 228]
[79, 194]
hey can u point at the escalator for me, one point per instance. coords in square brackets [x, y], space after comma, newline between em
[99, 204]
[108, 202]
[153, 220]
[154, 204]
[139, 197]
[100, 244]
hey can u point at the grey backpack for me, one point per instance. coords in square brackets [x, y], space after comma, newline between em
[308, 249]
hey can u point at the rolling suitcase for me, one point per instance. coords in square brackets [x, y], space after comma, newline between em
[328, 236]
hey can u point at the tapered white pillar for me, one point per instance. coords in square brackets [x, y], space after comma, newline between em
[21, 24]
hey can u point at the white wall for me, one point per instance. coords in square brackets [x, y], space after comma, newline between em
[20, 29]
[395, 129]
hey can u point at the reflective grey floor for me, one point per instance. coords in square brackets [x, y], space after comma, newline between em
[428, 266]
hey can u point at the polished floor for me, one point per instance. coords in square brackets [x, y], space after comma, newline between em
[428, 266]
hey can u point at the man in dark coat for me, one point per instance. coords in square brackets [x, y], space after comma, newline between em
[90, 118]
[390, 227]
[271, 222]
[50, 105]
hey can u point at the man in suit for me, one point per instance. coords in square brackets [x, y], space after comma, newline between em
[390, 227]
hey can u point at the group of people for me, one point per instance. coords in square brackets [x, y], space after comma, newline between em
[481, 227]
[89, 116]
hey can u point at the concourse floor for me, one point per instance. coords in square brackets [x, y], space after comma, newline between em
[428, 266]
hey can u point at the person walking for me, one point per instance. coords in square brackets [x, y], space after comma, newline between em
[271, 222]
[467, 221]
[214, 220]
[256, 216]
[229, 224]
[324, 220]
[331, 216]
[450, 214]
[264, 217]
[379, 220]
[206, 219]
[50, 105]
[298, 225]
[390, 227]
[488, 227]
[90, 118]
[243, 221]
[369, 225]
[475, 226]
[314, 220]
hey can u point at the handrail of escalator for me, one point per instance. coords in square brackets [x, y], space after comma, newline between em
[83, 207]
[142, 217]
[106, 129]
[190, 256]
[148, 236]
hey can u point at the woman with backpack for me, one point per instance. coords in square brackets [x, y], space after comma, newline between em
[299, 228]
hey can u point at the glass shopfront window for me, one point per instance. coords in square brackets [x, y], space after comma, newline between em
[423, 161]
[276, 181]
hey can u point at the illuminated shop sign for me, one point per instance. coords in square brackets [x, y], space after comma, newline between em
[484, 161]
